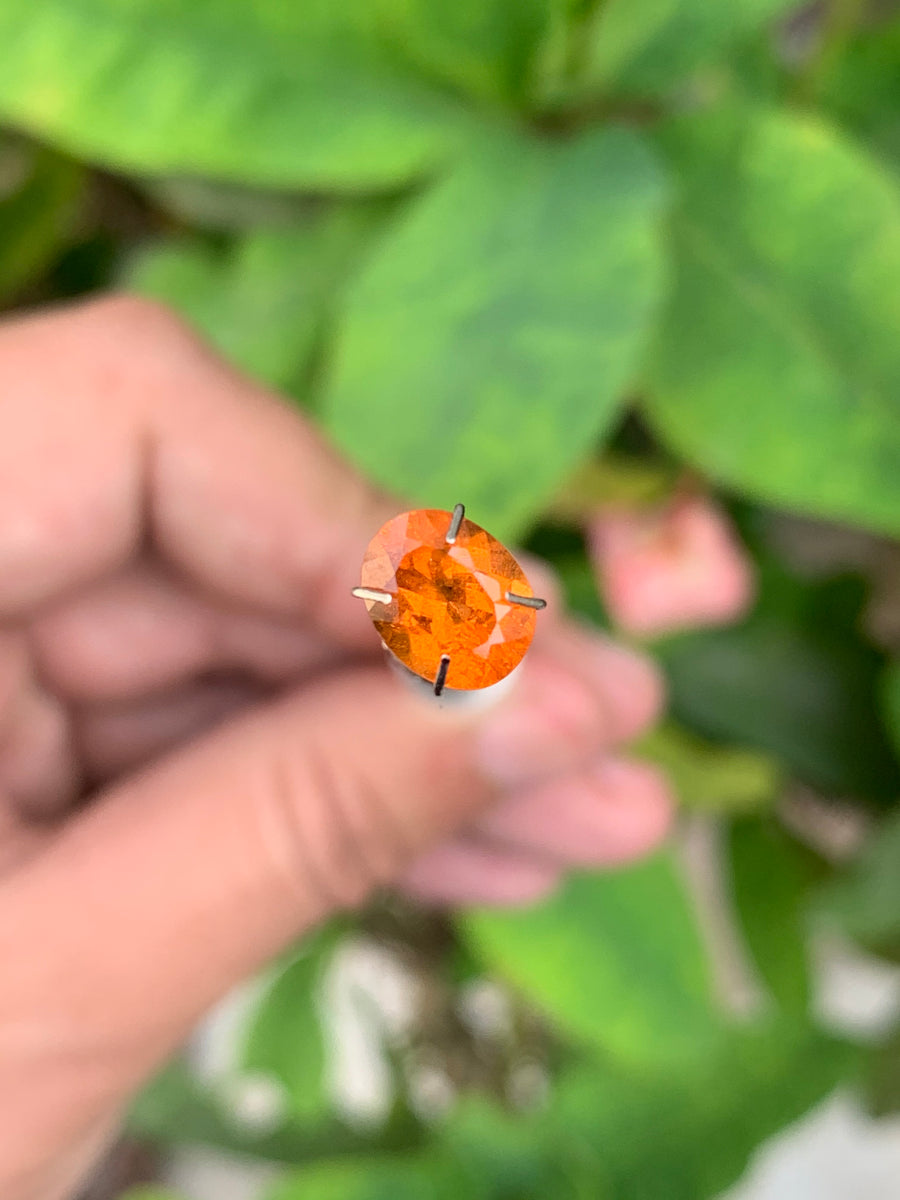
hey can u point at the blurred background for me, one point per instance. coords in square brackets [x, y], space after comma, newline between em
[624, 276]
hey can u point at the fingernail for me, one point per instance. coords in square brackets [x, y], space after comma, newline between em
[547, 729]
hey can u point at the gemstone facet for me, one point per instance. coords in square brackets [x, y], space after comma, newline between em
[448, 599]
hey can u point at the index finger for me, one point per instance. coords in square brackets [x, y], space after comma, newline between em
[120, 428]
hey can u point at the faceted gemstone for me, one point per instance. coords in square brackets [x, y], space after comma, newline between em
[448, 599]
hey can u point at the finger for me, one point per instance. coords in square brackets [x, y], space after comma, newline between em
[615, 811]
[113, 738]
[259, 832]
[465, 871]
[39, 769]
[142, 432]
[141, 630]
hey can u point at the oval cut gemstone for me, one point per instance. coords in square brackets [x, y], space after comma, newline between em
[448, 599]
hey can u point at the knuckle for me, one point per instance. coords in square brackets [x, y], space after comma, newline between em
[328, 832]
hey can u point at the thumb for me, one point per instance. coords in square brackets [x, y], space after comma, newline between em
[186, 878]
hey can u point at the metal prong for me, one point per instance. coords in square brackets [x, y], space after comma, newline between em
[455, 521]
[526, 601]
[441, 678]
[363, 593]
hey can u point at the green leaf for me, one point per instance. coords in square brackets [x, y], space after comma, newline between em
[485, 47]
[881, 1076]
[411, 1179]
[608, 1133]
[865, 901]
[496, 328]
[258, 91]
[615, 959]
[891, 704]
[175, 1109]
[35, 219]
[771, 876]
[644, 47]
[688, 1134]
[266, 300]
[795, 680]
[862, 87]
[711, 778]
[778, 366]
[285, 1038]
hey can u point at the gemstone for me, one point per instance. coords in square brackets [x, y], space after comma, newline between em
[448, 599]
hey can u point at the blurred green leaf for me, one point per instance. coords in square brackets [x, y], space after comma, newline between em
[285, 1038]
[865, 900]
[496, 328]
[644, 47]
[711, 778]
[862, 87]
[615, 959]
[412, 1179]
[771, 877]
[35, 219]
[795, 680]
[688, 1134]
[891, 703]
[652, 1134]
[266, 300]
[257, 91]
[485, 47]
[778, 366]
[880, 1083]
[174, 1108]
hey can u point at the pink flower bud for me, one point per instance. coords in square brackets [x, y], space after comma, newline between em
[669, 568]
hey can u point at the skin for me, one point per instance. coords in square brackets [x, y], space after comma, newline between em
[202, 754]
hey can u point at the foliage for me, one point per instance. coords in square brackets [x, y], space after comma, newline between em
[543, 255]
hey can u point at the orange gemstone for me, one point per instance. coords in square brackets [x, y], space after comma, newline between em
[448, 599]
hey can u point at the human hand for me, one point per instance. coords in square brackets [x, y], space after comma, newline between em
[201, 752]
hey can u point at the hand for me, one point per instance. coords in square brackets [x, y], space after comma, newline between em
[201, 752]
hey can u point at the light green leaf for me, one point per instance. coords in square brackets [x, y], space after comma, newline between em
[496, 328]
[264, 301]
[647, 46]
[285, 1038]
[35, 217]
[711, 778]
[771, 876]
[410, 1179]
[288, 95]
[778, 367]
[865, 900]
[615, 959]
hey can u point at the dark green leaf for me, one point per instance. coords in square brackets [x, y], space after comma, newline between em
[265, 301]
[614, 959]
[795, 680]
[891, 704]
[771, 875]
[259, 91]
[866, 900]
[862, 87]
[493, 334]
[881, 1076]
[35, 218]
[778, 367]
